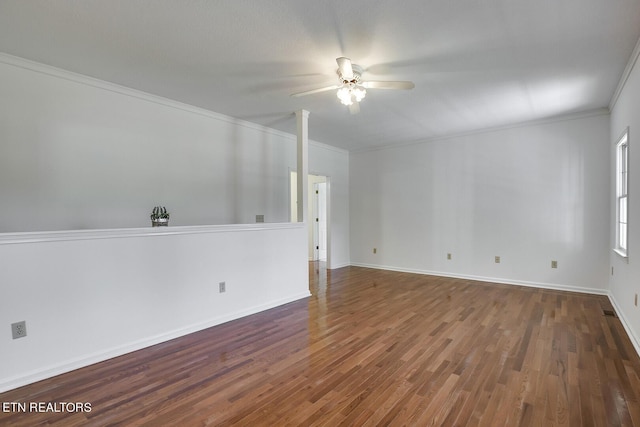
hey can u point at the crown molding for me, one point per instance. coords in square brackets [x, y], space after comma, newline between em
[554, 119]
[60, 73]
[111, 87]
[633, 59]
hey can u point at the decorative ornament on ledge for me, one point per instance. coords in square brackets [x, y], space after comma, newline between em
[159, 217]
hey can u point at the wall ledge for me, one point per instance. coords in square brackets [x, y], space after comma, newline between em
[120, 233]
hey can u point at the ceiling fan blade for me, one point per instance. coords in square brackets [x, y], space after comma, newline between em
[354, 108]
[312, 91]
[345, 67]
[388, 85]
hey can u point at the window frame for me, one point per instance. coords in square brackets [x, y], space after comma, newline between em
[622, 195]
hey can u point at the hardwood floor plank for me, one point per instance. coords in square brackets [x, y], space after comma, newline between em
[371, 347]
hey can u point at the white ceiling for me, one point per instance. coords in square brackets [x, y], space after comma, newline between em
[476, 64]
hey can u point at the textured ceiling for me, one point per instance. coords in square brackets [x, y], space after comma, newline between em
[475, 64]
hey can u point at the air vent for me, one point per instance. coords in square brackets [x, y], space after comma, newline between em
[609, 313]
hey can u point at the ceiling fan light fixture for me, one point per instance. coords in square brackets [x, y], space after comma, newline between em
[344, 95]
[347, 94]
[351, 89]
[359, 93]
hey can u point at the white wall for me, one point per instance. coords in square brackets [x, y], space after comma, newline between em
[81, 154]
[90, 295]
[334, 163]
[78, 153]
[529, 194]
[625, 281]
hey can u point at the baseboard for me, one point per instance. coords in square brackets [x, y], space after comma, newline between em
[552, 286]
[635, 340]
[81, 362]
[341, 265]
[625, 324]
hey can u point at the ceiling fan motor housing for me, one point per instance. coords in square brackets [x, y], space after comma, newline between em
[355, 79]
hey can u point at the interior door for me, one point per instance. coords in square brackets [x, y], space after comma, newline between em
[322, 220]
[315, 222]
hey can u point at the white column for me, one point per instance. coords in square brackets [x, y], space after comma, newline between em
[302, 118]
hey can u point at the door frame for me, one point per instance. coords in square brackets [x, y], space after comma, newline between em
[310, 224]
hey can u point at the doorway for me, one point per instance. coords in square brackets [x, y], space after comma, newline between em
[319, 220]
[318, 211]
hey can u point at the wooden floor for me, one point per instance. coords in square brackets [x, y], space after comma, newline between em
[372, 347]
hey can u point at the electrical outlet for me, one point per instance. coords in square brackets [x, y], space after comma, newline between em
[554, 264]
[448, 256]
[497, 259]
[19, 330]
[375, 250]
[222, 287]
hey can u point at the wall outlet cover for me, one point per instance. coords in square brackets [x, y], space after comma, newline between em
[19, 330]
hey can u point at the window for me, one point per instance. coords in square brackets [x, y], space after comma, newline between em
[622, 181]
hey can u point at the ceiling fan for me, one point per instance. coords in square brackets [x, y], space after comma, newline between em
[351, 89]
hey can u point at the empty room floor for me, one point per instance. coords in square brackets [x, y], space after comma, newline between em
[371, 347]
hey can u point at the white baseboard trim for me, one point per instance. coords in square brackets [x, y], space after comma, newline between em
[635, 340]
[341, 265]
[552, 286]
[625, 324]
[11, 383]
